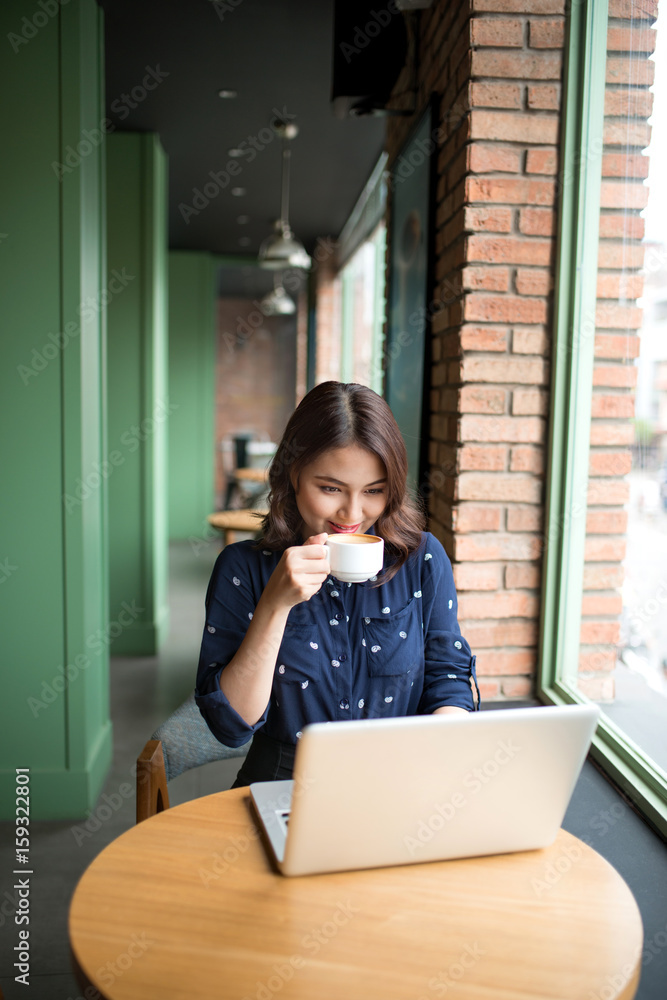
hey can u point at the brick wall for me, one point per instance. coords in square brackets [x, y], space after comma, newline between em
[496, 66]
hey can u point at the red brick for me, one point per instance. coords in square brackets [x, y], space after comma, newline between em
[476, 399]
[520, 430]
[497, 664]
[601, 689]
[609, 463]
[526, 459]
[524, 6]
[500, 605]
[627, 9]
[532, 281]
[504, 309]
[595, 604]
[495, 95]
[490, 279]
[532, 371]
[472, 517]
[626, 133]
[598, 577]
[522, 574]
[635, 72]
[609, 434]
[615, 316]
[611, 492]
[615, 376]
[484, 159]
[498, 634]
[496, 486]
[522, 517]
[488, 690]
[497, 32]
[624, 226]
[506, 126]
[616, 194]
[593, 633]
[529, 341]
[516, 191]
[544, 97]
[625, 165]
[598, 659]
[480, 457]
[484, 338]
[517, 687]
[620, 285]
[546, 34]
[516, 65]
[633, 103]
[542, 161]
[537, 222]
[508, 250]
[612, 406]
[477, 576]
[493, 220]
[526, 402]
[640, 39]
[602, 548]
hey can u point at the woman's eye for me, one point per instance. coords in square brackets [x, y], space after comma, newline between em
[376, 491]
[330, 489]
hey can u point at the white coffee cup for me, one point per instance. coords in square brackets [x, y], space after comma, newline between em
[354, 558]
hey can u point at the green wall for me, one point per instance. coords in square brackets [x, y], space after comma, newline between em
[138, 404]
[54, 710]
[191, 393]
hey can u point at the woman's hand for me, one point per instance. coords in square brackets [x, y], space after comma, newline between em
[299, 575]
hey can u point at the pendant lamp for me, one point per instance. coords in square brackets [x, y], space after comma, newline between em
[282, 249]
[277, 302]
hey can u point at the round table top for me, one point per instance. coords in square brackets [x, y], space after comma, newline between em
[187, 906]
[252, 475]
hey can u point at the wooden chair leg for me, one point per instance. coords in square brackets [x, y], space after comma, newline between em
[152, 794]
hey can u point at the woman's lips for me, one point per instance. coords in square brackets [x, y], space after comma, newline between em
[343, 529]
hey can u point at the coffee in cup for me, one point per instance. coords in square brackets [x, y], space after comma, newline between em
[355, 557]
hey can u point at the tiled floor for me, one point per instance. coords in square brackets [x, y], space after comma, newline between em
[144, 692]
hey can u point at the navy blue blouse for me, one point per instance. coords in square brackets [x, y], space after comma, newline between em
[353, 651]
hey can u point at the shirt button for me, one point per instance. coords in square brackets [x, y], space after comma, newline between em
[342, 657]
[457, 644]
[210, 628]
[339, 617]
[344, 703]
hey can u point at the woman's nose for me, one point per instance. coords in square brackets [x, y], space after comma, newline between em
[350, 510]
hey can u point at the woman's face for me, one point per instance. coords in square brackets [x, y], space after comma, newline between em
[343, 490]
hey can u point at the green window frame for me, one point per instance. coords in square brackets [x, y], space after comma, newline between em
[571, 397]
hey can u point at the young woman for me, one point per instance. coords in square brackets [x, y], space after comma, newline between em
[285, 643]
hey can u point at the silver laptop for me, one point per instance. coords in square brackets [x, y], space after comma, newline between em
[377, 792]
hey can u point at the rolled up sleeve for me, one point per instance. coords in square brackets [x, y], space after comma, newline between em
[230, 605]
[449, 665]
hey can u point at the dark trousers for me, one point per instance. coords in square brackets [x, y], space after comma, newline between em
[267, 760]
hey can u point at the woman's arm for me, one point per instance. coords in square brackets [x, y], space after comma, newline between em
[450, 710]
[246, 680]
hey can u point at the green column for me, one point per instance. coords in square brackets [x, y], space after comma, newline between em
[54, 710]
[138, 403]
[191, 392]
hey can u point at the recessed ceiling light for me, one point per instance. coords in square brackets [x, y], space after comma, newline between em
[245, 241]
[243, 220]
[228, 95]
[238, 192]
[235, 153]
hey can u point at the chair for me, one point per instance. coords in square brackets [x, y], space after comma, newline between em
[182, 742]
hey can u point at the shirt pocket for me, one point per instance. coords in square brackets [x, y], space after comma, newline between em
[299, 657]
[394, 642]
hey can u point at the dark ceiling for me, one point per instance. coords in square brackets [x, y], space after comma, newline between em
[277, 55]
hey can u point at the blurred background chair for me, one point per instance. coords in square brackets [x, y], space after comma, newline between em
[182, 742]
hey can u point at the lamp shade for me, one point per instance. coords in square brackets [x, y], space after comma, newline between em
[277, 303]
[281, 250]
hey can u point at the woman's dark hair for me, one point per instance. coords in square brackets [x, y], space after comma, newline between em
[335, 415]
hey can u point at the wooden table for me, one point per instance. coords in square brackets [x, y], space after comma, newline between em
[230, 521]
[186, 906]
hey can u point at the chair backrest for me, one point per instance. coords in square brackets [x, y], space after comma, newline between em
[182, 742]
